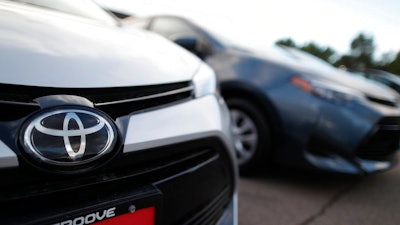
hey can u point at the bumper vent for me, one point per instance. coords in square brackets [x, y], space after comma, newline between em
[18, 101]
[382, 101]
[383, 143]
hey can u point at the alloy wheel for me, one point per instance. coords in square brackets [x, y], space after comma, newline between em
[245, 135]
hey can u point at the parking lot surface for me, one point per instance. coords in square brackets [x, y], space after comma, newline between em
[293, 197]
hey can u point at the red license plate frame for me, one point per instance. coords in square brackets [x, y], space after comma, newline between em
[134, 209]
[145, 216]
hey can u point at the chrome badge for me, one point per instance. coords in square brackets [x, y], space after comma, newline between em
[69, 137]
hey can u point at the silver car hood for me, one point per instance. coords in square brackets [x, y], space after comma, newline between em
[39, 47]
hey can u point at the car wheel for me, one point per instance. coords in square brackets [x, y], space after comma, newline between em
[251, 136]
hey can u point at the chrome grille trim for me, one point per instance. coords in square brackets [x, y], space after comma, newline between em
[115, 101]
[19, 103]
[149, 97]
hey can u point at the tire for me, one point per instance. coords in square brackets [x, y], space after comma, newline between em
[251, 134]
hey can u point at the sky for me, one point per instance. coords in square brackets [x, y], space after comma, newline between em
[259, 24]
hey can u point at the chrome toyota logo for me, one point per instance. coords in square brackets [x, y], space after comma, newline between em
[68, 137]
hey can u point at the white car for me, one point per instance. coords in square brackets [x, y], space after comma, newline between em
[102, 124]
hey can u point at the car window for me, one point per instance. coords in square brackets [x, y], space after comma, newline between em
[381, 80]
[83, 8]
[171, 28]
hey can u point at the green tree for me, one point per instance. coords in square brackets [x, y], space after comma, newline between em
[361, 55]
[394, 66]
[325, 53]
[286, 42]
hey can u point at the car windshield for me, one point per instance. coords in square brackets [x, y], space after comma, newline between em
[83, 8]
[307, 57]
[386, 75]
[228, 41]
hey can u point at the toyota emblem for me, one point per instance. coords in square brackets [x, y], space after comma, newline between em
[69, 137]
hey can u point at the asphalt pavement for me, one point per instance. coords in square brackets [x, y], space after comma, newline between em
[295, 197]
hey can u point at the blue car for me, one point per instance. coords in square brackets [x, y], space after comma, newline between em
[292, 108]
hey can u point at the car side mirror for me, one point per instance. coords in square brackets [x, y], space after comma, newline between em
[187, 42]
[190, 43]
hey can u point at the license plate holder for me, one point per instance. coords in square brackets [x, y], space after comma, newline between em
[138, 207]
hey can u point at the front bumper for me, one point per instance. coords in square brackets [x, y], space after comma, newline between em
[177, 159]
[352, 138]
[338, 163]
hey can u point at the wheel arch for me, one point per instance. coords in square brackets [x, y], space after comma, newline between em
[260, 99]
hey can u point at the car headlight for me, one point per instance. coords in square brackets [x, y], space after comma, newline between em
[331, 92]
[204, 81]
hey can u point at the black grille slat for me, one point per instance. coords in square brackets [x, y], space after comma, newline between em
[13, 111]
[382, 101]
[23, 187]
[212, 212]
[383, 143]
[21, 93]
[391, 120]
[17, 101]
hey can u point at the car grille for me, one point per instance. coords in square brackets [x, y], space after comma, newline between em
[193, 177]
[18, 101]
[382, 101]
[383, 143]
[212, 212]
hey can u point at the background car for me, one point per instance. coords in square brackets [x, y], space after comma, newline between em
[291, 107]
[105, 125]
[389, 79]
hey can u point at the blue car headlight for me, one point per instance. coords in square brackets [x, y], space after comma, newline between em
[328, 91]
[204, 81]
